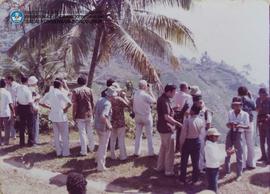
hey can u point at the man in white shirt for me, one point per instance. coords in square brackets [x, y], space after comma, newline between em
[12, 86]
[143, 99]
[58, 103]
[238, 123]
[6, 112]
[182, 103]
[25, 111]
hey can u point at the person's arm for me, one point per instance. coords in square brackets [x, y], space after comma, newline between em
[105, 116]
[43, 100]
[152, 98]
[67, 101]
[74, 105]
[183, 134]
[67, 107]
[92, 101]
[171, 120]
[11, 107]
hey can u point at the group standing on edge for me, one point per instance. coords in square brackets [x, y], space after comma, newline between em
[183, 121]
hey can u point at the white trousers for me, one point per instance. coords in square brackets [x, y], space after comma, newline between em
[121, 134]
[145, 122]
[61, 138]
[202, 154]
[103, 140]
[249, 147]
[86, 135]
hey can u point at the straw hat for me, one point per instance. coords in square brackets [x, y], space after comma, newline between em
[32, 80]
[213, 131]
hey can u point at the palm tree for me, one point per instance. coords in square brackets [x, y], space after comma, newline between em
[106, 28]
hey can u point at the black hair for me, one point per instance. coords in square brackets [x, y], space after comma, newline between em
[183, 86]
[109, 82]
[242, 91]
[10, 77]
[196, 98]
[24, 79]
[81, 80]
[2, 83]
[263, 91]
[196, 109]
[76, 183]
[170, 88]
[57, 84]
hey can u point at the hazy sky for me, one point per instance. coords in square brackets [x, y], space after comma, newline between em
[233, 31]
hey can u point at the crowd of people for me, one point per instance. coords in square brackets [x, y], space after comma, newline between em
[183, 121]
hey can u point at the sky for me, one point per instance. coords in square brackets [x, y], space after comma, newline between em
[233, 31]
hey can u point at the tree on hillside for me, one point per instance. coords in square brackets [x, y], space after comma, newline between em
[105, 28]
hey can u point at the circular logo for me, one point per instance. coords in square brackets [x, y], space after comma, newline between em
[16, 17]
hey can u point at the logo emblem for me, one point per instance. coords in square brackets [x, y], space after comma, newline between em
[16, 17]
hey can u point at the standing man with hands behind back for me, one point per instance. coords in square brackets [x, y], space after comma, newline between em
[166, 127]
[143, 99]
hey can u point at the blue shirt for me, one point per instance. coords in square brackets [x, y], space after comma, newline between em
[103, 108]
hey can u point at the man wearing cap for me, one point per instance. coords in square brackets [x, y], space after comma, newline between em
[103, 126]
[6, 112]
[182, 103]
[213, 158]
[166, 127]
[58, 103]
[12, 87]
[238, 122]
[25, 111]
[143, 99]
[263, 122]
[32, 83]
[83, 106]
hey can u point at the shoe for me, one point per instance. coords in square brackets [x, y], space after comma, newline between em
[250, 168]
[181, 182]
[196, 183]
[152, 155]
[239, 178]
[136, 155]
[158, 170]
[262, 159]
[102, 170]
[82, 155]
[169, 174]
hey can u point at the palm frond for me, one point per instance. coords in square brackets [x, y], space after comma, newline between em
[168, 28]
[106, 51]
[45, 32]
[153, 43]
[185, 4]
[123, 44]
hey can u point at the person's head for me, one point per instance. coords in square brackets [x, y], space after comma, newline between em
[32, 81]
[109, 82]
[143, 85]
[24, 79]
[9, 79]
[236, 103]
[76, 183]
[198, 101]
[2, 83]
[111, 93]
[195, 110]
[242, 91]
[263, 93]
[195, 91]
[184, 87]
[81, 80]
[170, 90]
[57, 84]
[213, 134]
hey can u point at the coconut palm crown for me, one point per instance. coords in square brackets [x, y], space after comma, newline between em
[105, 28]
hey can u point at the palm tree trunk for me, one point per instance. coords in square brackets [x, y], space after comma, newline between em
[94, 61]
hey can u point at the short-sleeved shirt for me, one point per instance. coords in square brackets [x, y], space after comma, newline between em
[118, 114]
[103, 108]
[263, 106]
[142, 103]
[5, 101]
[24, 95]
[164, 108]
[57, 100]
[83, 98]
[182, 98]
[13, 90]
[242, 119]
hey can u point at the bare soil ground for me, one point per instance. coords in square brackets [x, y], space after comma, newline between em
[135, 175]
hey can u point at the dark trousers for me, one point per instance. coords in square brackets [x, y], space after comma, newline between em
[179, 116]
[26, 122]
[191, 148]
[212, 178]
